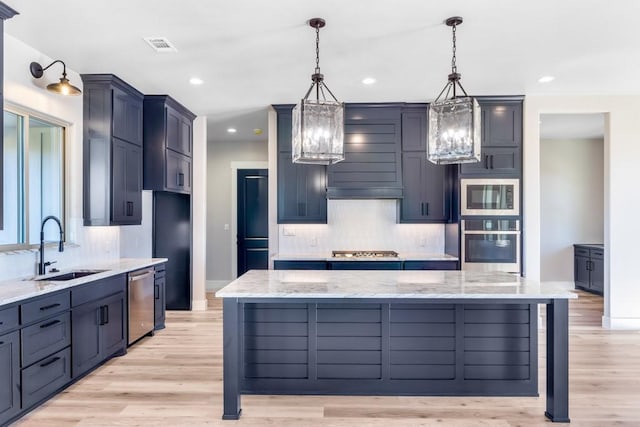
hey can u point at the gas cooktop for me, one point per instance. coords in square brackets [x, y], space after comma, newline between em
[364, 254]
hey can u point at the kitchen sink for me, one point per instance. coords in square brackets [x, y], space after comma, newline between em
[70, 275]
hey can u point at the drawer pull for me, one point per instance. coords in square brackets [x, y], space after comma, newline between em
[1, 342]
[46, 325]
[45, 364]
[49, 307]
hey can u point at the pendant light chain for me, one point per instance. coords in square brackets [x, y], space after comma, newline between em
[317, 49]
[454, 67]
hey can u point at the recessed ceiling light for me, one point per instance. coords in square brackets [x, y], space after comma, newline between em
[546, 79]
[196, 81]
[368, 81]
[232, 130]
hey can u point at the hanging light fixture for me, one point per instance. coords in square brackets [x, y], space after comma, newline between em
[63, 87]
[454, 122]
[318, 124]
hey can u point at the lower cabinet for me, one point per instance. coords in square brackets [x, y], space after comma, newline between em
[44, 378]
[98, 331]
[159, 296]
[299, 265]
[588, 268]
[9, 376]
[365, 265]
[431, 265]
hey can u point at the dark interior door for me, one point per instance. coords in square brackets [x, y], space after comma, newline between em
[253, 220]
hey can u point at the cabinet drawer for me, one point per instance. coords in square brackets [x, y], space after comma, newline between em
[581, 251]
[299, 265]
[160, 273]
[45, 338]
[45, 377]
[44, 307]
[597, 254]
[98, 289]
[8, 318]
[431, 265]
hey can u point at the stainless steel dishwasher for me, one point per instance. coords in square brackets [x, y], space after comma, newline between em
[141, 304]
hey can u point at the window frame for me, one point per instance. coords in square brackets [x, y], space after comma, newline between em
[28, 113]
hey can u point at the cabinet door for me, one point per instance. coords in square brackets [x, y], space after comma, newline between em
[9, 376]
[495, 162]
[581, 271]
[178, 135]
[597, 270]
[126, 206]
[426, 197]
[85, 337]
[127, 117]
[501, 123]
[414, 131]
[159, 302]
[113, 331]
[301, 192]
[178, 172]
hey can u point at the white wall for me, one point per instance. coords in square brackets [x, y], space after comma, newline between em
[360, 225]
[136, 240]
[220, 157]
[572, 202]
[91, 243]
[621, 200]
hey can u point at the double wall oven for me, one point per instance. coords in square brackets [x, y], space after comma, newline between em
[490, 224]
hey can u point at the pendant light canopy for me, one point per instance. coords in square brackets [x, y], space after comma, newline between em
[318, 124]
[64, 87]
[454, 121]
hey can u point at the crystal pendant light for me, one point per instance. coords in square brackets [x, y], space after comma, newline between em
[454, 122]
[318, 124]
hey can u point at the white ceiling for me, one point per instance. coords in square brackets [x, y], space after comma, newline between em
[253, 53]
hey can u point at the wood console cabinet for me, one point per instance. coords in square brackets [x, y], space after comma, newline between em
[168, 144]
[112, 151]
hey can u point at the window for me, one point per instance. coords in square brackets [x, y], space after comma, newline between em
[33, 184]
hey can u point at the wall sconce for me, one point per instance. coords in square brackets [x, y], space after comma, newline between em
[63, 87]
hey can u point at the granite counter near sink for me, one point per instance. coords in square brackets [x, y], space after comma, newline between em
[16, 290]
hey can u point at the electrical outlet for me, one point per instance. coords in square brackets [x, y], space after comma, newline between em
[226, 227]
[313, 241]
[423, 241]
[286, 231]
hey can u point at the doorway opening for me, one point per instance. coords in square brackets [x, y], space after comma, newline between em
[252, 220]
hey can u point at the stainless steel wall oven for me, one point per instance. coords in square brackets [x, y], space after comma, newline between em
[491, 244]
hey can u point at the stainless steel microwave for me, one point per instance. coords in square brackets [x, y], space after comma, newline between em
[489, 196]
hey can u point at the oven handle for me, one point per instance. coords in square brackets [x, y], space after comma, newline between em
[501, 232]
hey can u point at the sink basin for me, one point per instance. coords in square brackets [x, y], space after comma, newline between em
[71, 275]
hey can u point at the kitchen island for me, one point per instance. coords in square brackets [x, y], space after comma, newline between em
[452, 333]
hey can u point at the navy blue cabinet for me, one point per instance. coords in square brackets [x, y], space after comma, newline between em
[427, 186]
[301, 187]
[9, 375]
[168, 143]
[159, 287]
[501, 153]
[372, 166]
[112, 151]
[98, 323]
[588, 268]
[300, 265]
[364, 265]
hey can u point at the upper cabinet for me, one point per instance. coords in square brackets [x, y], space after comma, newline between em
[427, 186]
[5, 13]
[301, 187]
[372, 148]
[168, 140]
[112, 151]
[501, 153]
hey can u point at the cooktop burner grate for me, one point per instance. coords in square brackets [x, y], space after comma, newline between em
[364, 254]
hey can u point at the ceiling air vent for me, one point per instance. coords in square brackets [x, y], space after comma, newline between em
[160, 44]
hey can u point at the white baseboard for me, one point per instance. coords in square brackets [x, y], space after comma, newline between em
[214, 285]
[199, 305]
[620, 323]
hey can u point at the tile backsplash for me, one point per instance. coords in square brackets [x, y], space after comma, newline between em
[361, 225]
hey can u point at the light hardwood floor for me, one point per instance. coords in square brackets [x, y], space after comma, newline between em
[175, 379]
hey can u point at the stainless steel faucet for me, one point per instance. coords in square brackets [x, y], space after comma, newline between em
[42, 265]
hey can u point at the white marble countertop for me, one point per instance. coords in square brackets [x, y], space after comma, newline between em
[21, 289]
[402, 256]
[391, 284]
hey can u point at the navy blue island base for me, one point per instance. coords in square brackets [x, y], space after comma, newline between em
[302, 335]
